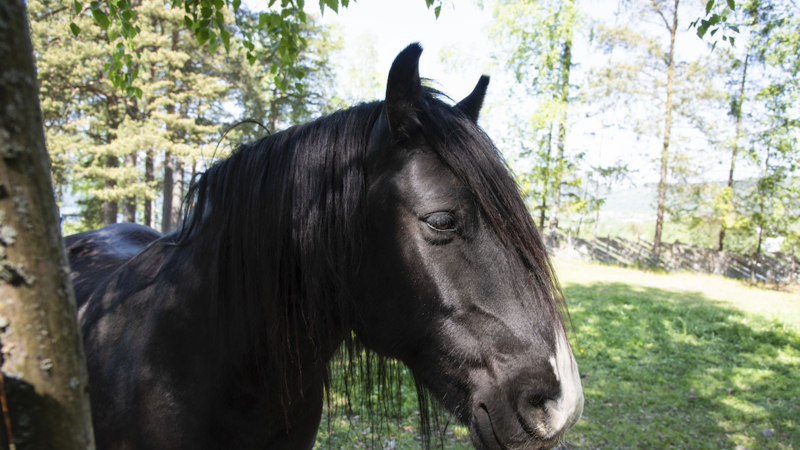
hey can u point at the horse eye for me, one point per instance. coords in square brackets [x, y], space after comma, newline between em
[441, 222]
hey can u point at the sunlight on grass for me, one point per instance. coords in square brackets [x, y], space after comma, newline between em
[669, 362]
[682, 360]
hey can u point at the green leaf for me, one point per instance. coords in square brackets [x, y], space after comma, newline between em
[77, 6]
[226, 39]
[188, 22]
[126, 29]
[734, 28]
[206, 12]
[733, 41]
[112, 35]
[709, 6]
[236, 4]
[219, 4]
[732, 5]
[301, 4]
[714, 19]
[332, 4]
[202, 36]
[137, 92]
[251, 59]
[101, 18]
[702, 29]
[76, 30]
[437, 10]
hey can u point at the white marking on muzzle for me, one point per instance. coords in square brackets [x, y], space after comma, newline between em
[566, 410]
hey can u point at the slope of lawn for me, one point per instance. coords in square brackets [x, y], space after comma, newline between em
[673, 361]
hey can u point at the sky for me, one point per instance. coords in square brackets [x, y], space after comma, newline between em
[393, 25]
[461, 29]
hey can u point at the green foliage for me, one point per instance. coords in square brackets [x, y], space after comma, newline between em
[206, 20]
[534, 39]
[717, 19]
[682, 361]
[100, 139]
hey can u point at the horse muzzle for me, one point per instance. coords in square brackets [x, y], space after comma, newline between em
[528, 426]
[532, 410]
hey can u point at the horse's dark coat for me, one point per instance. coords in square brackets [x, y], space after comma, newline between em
[397, 221]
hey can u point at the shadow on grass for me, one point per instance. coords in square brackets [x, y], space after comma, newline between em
[663, 370]
[677, 370]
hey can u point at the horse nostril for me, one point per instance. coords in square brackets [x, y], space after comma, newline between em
[537, 400]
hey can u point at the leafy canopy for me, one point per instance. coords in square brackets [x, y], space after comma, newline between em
[205, 18]
[716, 19]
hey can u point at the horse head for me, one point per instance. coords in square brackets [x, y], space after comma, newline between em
[456, 282]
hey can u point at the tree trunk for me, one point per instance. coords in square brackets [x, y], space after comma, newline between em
[110, 206]
[546, 180]
[662, 184]
[566, 65]
[597, 213]
[44, 369]
[738, 114]
[129, 206]
[177, 193]
[149, 176]
[166, 206]
[274, 114]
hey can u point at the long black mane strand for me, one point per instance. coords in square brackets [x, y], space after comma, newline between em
[280, 221]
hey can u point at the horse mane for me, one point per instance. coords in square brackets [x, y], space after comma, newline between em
[281, 223]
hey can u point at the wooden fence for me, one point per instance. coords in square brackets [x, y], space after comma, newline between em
[766, 267]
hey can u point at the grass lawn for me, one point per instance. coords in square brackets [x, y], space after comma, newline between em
[673, 361]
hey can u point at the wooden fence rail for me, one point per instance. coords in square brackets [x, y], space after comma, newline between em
[766, 267]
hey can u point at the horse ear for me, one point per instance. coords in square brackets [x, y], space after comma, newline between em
[403, 91]
[471, 105]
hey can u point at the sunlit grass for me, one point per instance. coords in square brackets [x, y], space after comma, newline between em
[683, 361]
[670, 361]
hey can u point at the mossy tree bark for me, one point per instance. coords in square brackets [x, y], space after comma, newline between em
[44, 369]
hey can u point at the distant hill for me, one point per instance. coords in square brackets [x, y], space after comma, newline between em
[636, 203]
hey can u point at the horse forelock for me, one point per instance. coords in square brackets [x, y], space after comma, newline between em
[472, 157]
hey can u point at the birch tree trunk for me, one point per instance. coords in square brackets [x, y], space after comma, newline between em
[735, 149]
[129, 205]
[662, 184]
[149, 176]
[44, 369]
[166, 205]
[110, 206]
[566, 66]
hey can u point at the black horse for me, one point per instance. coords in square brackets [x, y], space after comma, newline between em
[393, 226]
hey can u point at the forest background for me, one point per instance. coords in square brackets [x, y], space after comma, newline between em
[616, 118]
